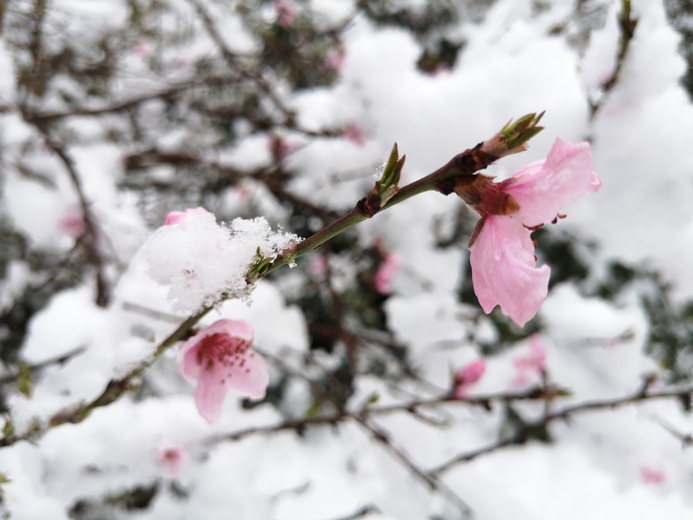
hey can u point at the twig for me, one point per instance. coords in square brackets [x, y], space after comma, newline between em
[91, 233]
[627, 24]
[232, 60]
[115, 389]
[685, 438]
[360, 513]
[36, 367]
[378, 434]
[565, 413]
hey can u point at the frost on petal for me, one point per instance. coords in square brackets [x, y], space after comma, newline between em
[542, 189]
[504, 270]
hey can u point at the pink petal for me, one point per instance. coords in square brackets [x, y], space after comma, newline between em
[176, 216]
[237, 328]
[386, 272]
[537, 353]
[504, 270]
[472, 372]
[173, 456]
[188, 359]
[251, 379]
[542, 189]
[210, 393]
[214, 376]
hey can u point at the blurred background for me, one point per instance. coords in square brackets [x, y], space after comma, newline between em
[115, 112]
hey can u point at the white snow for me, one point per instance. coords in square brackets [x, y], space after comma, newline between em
[510, 65]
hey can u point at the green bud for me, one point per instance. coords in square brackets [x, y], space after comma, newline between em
[25, 385]
[517, 133]
[388, 184]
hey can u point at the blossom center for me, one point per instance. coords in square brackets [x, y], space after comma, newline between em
[227, 350]
[486, 197]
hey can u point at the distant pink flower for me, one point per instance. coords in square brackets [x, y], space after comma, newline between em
[536, 359]
[386, 272]
[173, 456]
[354, 134]
[468, 376]
[440, 70]
[531, 366]
[142, 49]
[279, 147]
[71, 223]
[652, 475]
[174, 217]
[317, 265]
[286, 12]
[219, 358]
[504, 268]
[335, 59]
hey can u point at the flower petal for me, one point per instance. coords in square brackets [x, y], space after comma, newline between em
[210, 392]
[249, 379]
[188, 359]
[542, 189]
[504, 270]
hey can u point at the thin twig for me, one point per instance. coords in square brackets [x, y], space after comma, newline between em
[91, 232]
[627, 24]
[565, 413]
[36, 367]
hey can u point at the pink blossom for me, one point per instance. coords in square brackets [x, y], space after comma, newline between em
[354, 134]
[335, 59]
[386, 272]
[219, 358]
[286, 12]
[173, 456]
[142, 49]
[71, 224]
[536, 359]
[504, 270]
[317, 265]
[279, 147]
[652, 475]
[468, 376]
[174, 217]
[530, 366]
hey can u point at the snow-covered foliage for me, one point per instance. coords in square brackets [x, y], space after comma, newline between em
[391, 394]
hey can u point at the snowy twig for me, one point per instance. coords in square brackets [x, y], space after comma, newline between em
[381, 436]
[360, 513]
[626, 23]
[168, 93]
[232, 60]
[566, 413]
[34, 368]
[685, 438]
[91, 233]
[459, 169]
[265, 175]
[115, 389]
[509, 140]
[433, 483]
[300, 425]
